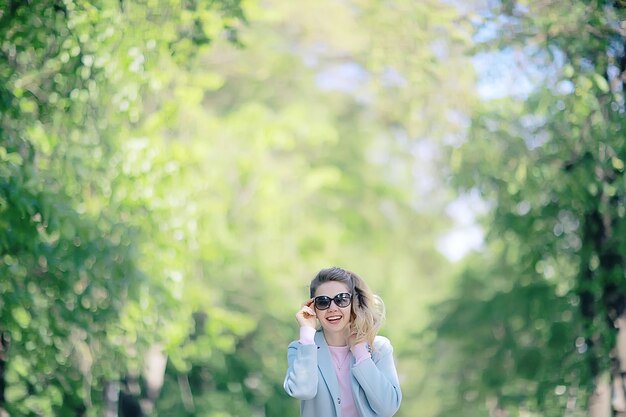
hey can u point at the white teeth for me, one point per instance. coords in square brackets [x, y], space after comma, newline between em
[334, 318]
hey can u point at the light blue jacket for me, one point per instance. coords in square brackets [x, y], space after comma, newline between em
[311, 378]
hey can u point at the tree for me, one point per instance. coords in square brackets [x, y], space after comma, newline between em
[68, 248]
[544, 302]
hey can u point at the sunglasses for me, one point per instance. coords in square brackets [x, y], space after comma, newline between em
[342, 300]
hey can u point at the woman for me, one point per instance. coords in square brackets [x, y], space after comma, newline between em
[344, 369]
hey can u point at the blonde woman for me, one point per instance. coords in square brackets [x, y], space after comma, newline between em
[343, 369]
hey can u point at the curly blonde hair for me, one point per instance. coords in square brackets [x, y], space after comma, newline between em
[367, 309]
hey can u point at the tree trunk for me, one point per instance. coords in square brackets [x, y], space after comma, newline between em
[136, 400]
[154, 376]
[618, 400]
[4, 347]
[600, 400]
[130, 397]
[111, 398]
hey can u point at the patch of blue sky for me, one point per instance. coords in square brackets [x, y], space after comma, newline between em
[564, 87]
[514, 72]
[461, 241]
[519, 72]
[350, 77]
[486, 31]
[460, 119]
[425, 154]
[439, 48]
[311, 54]
[500, 76]
[533, 132]
[392, 78]
[466, 235]
[346, 77]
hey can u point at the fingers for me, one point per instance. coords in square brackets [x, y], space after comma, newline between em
[306, 315]
[308, 311]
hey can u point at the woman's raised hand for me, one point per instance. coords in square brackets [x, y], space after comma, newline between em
[306, 315]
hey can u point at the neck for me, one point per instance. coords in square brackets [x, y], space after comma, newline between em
[336, 339]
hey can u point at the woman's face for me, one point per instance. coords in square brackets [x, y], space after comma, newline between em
[334, 319]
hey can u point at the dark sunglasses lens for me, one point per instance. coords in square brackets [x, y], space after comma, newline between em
[342, 300]
[322, 303]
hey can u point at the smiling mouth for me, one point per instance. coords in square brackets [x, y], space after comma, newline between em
[333, 319]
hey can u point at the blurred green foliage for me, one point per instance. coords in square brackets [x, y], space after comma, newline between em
[533, 327]
[174, 172]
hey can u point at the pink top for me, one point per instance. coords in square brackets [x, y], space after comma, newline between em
[341, 360]
[342, 357]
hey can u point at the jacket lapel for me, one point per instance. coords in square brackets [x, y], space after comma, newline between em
[325, 365]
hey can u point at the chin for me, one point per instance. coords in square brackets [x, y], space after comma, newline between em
[336, 329]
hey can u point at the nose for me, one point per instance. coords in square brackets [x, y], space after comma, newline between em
[332, 302]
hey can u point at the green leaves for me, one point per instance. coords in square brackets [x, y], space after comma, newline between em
[164, 190]
[68, 257]
[21, 316]
[546, 166]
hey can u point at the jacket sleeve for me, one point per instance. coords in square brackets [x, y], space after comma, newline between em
[379, 380]
[301, 379]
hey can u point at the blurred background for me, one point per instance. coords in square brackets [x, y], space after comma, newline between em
[174, 172]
